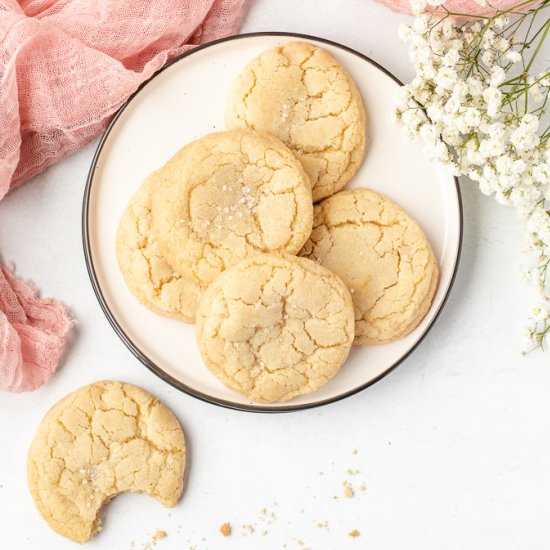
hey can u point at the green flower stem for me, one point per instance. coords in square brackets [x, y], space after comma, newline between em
[539, 45]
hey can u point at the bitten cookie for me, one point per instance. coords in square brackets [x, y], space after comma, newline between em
[275, 326]
[97, 442]
[300, 94]
[228, 196]
[383, 257]
[148, 275]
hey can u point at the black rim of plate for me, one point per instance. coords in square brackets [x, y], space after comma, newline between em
[126, 339]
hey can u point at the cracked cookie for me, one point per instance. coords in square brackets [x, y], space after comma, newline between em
[275, 326]
[148, 275]
[97, 442]
[300, 94]
[382, 255]
[228, 196]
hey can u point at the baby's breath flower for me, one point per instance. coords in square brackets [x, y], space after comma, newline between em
[501, 21]
[493, 99]
[513, 56]
[475, 85]
[448, 31]
[446, 78]
[488, 39]
[518, 166]
[429, 133]
[498, 76]
[440, 152]
[418, 6]
[535, 90]
[524, 138]
[488, 56]
[405, 32]
[451, 135]
[460, 90]
[541, 173]
[452, 105]
[475, 28]
[501, 44]
[475, 114]
[492, 147]
[451, 58]
[435, 112]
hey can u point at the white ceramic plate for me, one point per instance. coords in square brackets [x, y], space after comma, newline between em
[185, 101]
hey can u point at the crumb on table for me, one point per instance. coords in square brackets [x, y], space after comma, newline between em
[225, 529]
[159, 534]
[348, 491]
[354, 534]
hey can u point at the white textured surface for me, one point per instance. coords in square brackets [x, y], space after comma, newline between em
[453, 446]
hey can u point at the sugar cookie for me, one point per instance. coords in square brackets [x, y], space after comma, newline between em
[275, 326]
[148, 275]
[228, 196]
[97, 442]
[382, 255]
[300, 94]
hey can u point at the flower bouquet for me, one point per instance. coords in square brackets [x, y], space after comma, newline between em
[479, 102]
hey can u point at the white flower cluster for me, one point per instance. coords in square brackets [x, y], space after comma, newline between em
[466, 105]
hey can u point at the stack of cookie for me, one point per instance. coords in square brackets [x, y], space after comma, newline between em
[226, 234]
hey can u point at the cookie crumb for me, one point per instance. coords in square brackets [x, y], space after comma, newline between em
[348, 491]
[159, 534]
[354, 534]
[225, 529]
[247, 529]
[362, 487]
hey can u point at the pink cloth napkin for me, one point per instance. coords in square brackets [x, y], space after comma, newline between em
[67, 65]
[65, 68]
[33, 334]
